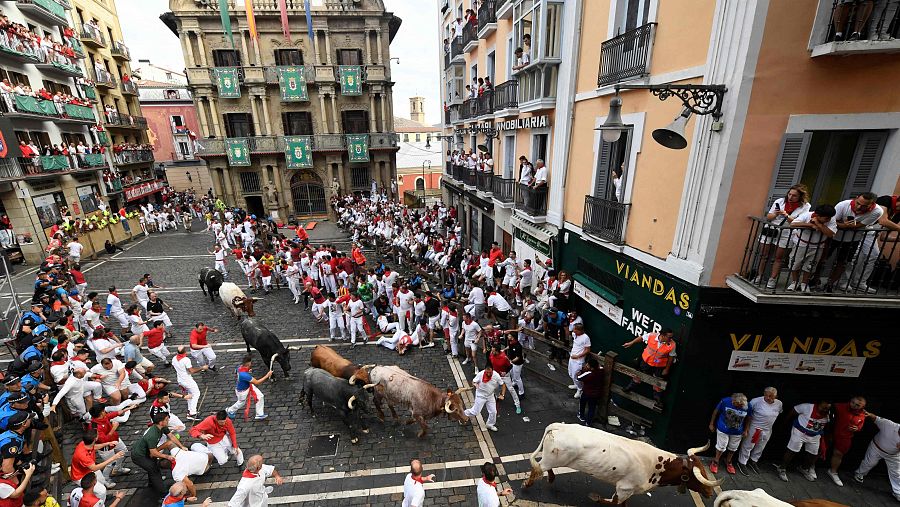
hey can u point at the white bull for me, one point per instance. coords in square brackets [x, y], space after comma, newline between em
[741, 498]
[236, 301]
[633, 467]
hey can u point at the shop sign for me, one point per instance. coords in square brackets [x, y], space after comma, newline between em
[533, 242]
[796, 364]
[654, 285]
[143, 190]
[597, 301]
[533, 122]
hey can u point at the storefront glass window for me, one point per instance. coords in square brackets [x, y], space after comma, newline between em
[87, 197]
[47, 208]
[473, 230]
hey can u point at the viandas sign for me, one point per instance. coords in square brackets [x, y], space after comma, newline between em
[358, 147]
[228, 82]
[298, 151]
[351, 79]
[292, 81]
[238, 151]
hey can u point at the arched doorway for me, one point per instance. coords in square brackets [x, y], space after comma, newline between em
[308, 194]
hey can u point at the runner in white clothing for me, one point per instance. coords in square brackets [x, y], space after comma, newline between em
[414, 485]
[114, 308]
[487, 383]
[251, 489]
[219, 253]
[181, 363]
[884, 446]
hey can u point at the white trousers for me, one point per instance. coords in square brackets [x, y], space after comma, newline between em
[194, 390]
[390, 342]
[892, 461]
[511, 389]
[335, 325]
[575, 367]
[107, 453]
[164, 317]
[204, 356]
[243, 397]
[221, 450]
[161, 352]
[753, 451]
[481, 402]
[515, 377]
[451, 335]
[122, 318]
[220, 267]
[356, 325]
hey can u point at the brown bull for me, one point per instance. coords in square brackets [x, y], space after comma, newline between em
[324, 357]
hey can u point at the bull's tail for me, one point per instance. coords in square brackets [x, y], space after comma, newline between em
[536, 471]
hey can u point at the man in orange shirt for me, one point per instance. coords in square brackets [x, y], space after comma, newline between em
[848, 420]
[84, 462]
[213, 431]
[302, 235]
[201, 350]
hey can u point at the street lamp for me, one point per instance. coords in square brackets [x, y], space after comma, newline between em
[424, 184]
[696, 99]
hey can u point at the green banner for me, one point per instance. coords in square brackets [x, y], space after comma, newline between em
[68, 68]
[76, 45]
[292, 81]
[358, 147]
[51, 6]
[229, 84]
[26, 104]
[103, 137]
[89, 92]
[30, 56]
[94, 159]
[226, 20]
[351, 79]
[298, 151]
[54, 163]
[48, 107]
[81, 112]
[238, 151]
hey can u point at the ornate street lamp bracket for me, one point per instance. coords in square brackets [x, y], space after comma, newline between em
[699, 99]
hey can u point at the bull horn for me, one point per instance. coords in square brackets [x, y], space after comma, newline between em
[272, 362]
[447, 406]
[352, 379]
[236, 300]
[694, 450]
[706, 482]
[350, 402]
[366, 366]
[369, 386]
[463, 389]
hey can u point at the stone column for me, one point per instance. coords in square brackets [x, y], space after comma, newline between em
[187, 47]
[214, 113]
[380, 44]
[256, 50]
[327, 48]
[384, 119]
[255, 112]
[229, 188]
[334, 114]
[246, 52]
[201, 117]
[265, 108]
[283, 198]
[368, 47]
[202, 48]
[215, 181]
[324, 113]
[371, 112]
[343, 179]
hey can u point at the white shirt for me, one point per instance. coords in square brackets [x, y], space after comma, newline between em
[189, 463]
[115, 304]
[487, 495]
[75, 248]
[487, 389]
[406, 300]
[413, 492]
[541, 175]
[470, 331]
[579, 343]
[764, 414]
[527, 278]
[251, 491]
[356, 308]
[810, 238]
[497, 302]
[887, 438]
[527, 174]
[102, 344]
[181, 367]
[476, 296]
[805, 420]
[141, 293]
[844, 210]
[111, 376]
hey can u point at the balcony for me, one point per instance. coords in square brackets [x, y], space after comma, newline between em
[626, 56]
[115, 119]
[103, 79]
[605, 219]
[456, 114]
[505, 9]
[506, 98]
[459, 173]
[862, 279]
[92, 36]
[446, 59]
[254, 75]
[309, 72]
[59, 64]
[484, 104]
[326, 73]
[375, 73]
[484, 182]
[532, 201]
[128, 157]
[89, 92]
[469, 178]
[275, 144]
[48, 11]
[199, 76]
[27, 55]
[880, 32]
[470, 37]
[467, 111]
[120, 51]
[456, 50]
[447, 117]
[26, 107]
[41, 167]
[503, 191]
[487, 18]
[448, 169]
[129, 88]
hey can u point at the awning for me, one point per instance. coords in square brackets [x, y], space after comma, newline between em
[143, 190]
[540, 232]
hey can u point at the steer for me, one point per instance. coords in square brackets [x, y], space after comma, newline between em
[236, 301]
[212, 280]
[759, 498]
[269, 346]
[326, 358]
[632, 466]
[424, 401]
[349, 400]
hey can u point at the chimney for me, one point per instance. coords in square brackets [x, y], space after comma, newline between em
[417, 109]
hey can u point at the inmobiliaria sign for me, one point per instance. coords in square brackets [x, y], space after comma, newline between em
[143, 190]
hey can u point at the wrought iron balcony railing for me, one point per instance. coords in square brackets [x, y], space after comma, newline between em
[456, 46]
[469, 34]
[504, 189]
[506, 95]
[487, 14]
[605, 219]
[626, 56]
[532, 201]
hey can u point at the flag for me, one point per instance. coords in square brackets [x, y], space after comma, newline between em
[251, 19]
[298, 151]
[351, 79]
[358, 147]
[226, 20]
[228, 82]
[292, 81]
[285, 27]
[238, 151]
[309, 29]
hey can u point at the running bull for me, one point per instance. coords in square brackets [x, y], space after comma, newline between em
[634, 467]
[347, 399]
[759, 498]
[212, 280]
[326, 358]
[267, 344]
[424, 401]
[236, 301]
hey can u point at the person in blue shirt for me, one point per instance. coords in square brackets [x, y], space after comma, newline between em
[35, 352]
[35, 314]
[555, 322]
[12, 443]
[448, 292]
[415, 282]
[730, 422]
[13, 384]
[18, 402]
[247, 391]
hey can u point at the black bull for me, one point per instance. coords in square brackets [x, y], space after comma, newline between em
[212, 280]
[349, 400]
[260, 338]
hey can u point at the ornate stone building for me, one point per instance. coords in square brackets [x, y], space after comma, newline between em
[281, 121]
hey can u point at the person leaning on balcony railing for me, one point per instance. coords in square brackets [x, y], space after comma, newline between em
[782, 212]
[813, 229]
[841, 17]
[488, 86]
[852, 217]
[869, 250]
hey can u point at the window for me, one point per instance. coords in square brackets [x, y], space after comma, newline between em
[359, 178]
[68, 138]
[349, 56]
[15, 78]
[539, 147]
[297, 123]
[168, 76]
[612, 168]
[53, 87]
[47, 208]
[173, 94]
[40, 139]
[509, 157]
[631, 14]
[491, 62]
[355, 122]
[177, 120]
[418, 138]
[405, 138]
[226, 58]
[184, 149]
[288, 57]
[238, 125]
[87, 197]
[250, 182]
[420, 184]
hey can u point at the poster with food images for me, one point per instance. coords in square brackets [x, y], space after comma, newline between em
[796, 364]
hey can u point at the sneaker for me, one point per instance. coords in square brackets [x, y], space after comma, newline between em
[110, 485]
[863, 288]
[230, 414]
[193, 417]
[855, 36]
[262, 417]
[757, 280]
[492, 428]
[714, 467]
[730, 469]
[753, 466]
[573, 387]
[428, 345]
[808, 474]
[518, 410]
[743, 469]
[240, 458]
[466, 361]
[804, 288]
[269, 490]
[859, 478]
[839, 36]
[580, 417]
[782, 473]
[835, 477]
[577, 394]
[791, 287]
[122, 471]
[771, 283]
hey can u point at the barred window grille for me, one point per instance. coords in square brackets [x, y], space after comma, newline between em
[359, 177]
[250, 182]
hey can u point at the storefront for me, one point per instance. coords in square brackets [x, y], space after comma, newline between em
[534, 242]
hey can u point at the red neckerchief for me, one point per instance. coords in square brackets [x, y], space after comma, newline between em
[251, 395]
[492, 484]
[485, 377]
[249, 475]
[815, 413]
[790, 207]
[180, 356]
[418, 479]
[158, 404]
[58, 363]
